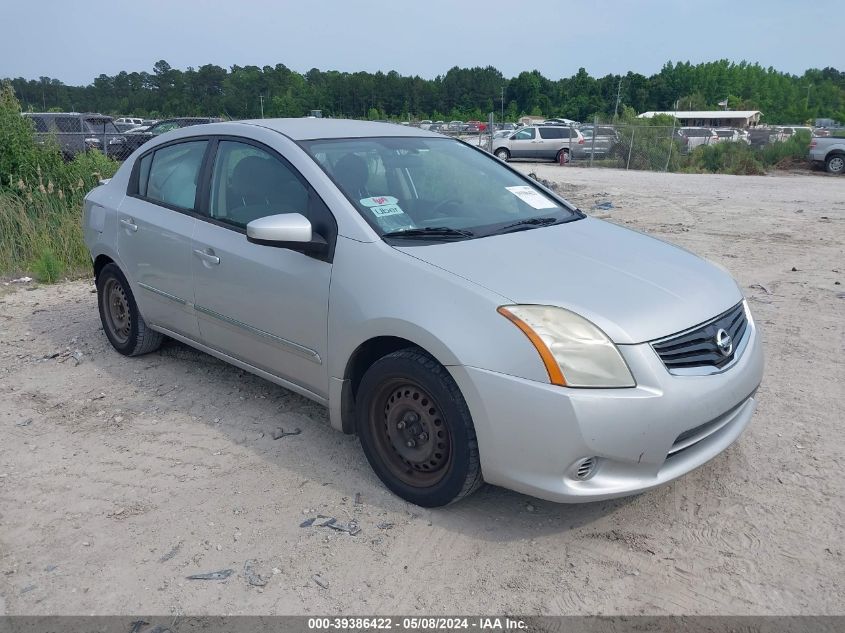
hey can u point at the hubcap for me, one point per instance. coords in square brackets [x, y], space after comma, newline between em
[837, 164]
[118, 316]
[410, 434]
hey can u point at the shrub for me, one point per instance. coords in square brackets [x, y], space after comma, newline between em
[41, 198]
[48, 268]
[793, 148]
[725, 158]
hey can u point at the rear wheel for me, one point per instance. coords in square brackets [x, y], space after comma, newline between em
[562, 156]
[416, 430]
[122, 322]
[835, 164]
[502, 154]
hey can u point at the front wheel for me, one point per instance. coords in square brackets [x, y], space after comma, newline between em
[835, 164]
[122, 322]
[416, 430]
[502, 154]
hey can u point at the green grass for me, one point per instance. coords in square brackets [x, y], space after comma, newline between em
[41, 233]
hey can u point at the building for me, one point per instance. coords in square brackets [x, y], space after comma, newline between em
[531, 120]
[711, 118]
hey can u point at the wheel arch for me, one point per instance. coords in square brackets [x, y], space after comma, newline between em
[100, 262]
[362, 358]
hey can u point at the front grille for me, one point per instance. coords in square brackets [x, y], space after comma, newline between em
[698, 348]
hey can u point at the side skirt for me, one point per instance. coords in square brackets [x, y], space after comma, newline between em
[245, 366]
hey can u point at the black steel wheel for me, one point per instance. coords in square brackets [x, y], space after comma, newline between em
[416, 430]
[122, 322]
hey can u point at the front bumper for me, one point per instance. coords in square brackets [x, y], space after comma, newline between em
[531, 435]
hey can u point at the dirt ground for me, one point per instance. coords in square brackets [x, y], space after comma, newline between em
[120, 477]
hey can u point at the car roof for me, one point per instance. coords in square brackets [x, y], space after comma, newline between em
[305, 129]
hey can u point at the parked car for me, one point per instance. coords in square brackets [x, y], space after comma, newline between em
[135, 139]
[129, 120]
[830, 152]
[425, 124]
[456, 126]
[566, 122]
[727, 135]
[692, 137]
[480, 125]
[538, 142]
[607, 140]
[413, 285]
[761, 136]
[78, 132]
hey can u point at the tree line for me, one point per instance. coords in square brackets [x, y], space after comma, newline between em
[462, 93]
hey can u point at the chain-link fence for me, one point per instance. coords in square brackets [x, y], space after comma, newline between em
[621, 146]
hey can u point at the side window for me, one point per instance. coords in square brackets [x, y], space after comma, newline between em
[524, 135]
[173, 174]
[249, 183]
[68, 124]
[551, 132]
[144, 173]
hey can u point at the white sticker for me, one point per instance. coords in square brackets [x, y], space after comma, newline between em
[377, 201]
[386, 209]
[532, 197]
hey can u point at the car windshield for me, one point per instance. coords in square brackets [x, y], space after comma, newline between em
[411, 183]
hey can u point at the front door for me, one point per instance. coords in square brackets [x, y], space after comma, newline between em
[523, 144]
[155, 226]
[263, 305]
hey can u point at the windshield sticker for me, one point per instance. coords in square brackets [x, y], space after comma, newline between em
[378, 201]
[532, 197]
[384, 210]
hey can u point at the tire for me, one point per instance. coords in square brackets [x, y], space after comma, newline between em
[502, 154]
[835, 164]
[122, 321]
[416, 430]
[565, 152]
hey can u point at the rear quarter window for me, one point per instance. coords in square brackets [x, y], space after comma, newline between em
[174, 174]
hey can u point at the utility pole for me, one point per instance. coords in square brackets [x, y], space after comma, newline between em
[503, 104]
[618, 95]
[807, 105]
[261, 99]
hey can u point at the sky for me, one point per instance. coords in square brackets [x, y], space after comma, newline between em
[75, 42]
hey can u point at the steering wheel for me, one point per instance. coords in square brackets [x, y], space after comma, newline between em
[438, 208]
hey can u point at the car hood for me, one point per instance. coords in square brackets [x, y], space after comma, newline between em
[634, 287]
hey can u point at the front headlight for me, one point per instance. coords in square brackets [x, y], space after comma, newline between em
[575, 352]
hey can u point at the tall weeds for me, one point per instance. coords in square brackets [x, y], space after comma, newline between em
[41, 199]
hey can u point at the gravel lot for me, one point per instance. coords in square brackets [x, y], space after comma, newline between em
[120, 477]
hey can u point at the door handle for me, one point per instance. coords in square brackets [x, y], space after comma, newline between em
[208, 258]
[129, 223]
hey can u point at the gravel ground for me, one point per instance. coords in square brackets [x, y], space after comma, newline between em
[120, 477]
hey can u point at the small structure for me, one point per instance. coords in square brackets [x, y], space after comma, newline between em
[532, 120]
[711, 118]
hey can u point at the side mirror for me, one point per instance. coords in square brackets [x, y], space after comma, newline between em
[286, 230]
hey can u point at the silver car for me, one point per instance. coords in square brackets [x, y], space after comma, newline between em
[539, 142]
[466, 322]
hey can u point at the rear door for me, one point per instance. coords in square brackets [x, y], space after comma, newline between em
[156, 221]
[523, 144]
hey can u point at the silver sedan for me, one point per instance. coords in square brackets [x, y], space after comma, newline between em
[466, 322]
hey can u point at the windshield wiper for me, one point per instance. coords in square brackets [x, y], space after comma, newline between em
[526, 224]
[430, 231]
